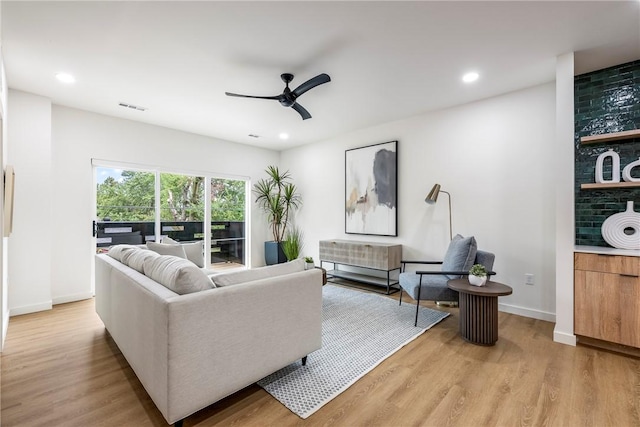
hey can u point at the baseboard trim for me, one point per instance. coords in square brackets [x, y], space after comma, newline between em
[527, 312]
[72, 298]
[34, 308]
[564, 338]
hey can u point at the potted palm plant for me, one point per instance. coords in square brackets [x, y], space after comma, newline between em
[278, 197]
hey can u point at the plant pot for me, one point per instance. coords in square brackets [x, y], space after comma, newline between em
[309, 265]
[477, 280]
[273, 253]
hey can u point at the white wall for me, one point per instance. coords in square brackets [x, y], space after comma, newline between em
[4, 307]
[495, 157]
[75, 138]
[29, 249]
[565, 198]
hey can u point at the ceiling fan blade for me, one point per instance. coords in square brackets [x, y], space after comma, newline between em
[251, 96]
[311, 83]
[303, 112]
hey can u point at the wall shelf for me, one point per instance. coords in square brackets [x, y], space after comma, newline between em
[605, 137]
[596, 185]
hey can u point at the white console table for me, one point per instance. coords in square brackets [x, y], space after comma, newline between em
[383, 257]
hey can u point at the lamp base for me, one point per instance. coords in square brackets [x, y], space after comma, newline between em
[447, 303]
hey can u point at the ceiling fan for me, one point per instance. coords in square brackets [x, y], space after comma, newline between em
[289, 97]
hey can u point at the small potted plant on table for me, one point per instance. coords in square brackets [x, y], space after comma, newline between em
[478, 275]
[309, 264]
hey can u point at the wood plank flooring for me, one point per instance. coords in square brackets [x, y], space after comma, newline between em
[60, 368]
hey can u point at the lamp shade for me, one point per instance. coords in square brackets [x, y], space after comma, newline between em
[432, 197]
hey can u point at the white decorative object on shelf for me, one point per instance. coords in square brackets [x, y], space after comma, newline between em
[615, 167]
[477, 280]
[622, 230]
[626, 172]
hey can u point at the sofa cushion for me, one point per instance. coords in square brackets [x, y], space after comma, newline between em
[178, 274]
[460, 255]
[116, 252]
[193, 251]
[165, 249]
[135, 259]
[226, 279]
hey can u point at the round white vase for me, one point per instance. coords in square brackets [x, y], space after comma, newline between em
[622, 230]
[477, 280]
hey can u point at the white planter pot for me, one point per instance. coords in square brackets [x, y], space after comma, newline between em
[477, 280]
[309, 265]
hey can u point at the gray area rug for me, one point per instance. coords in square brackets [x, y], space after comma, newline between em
[359, 331]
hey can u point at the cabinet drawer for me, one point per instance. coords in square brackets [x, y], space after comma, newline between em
[608, 263]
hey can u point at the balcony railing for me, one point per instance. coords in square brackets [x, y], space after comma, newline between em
[227, 237]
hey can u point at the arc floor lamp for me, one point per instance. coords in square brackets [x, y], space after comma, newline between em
[432, 198]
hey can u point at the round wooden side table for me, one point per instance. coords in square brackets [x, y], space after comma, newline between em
[479, 310]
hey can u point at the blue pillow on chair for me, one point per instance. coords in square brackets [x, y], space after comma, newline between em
[460, 255]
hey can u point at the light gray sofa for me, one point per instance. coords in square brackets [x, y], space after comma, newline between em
[191, 350]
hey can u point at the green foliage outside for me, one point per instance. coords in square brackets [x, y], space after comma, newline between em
[181, 198]
[227, 200]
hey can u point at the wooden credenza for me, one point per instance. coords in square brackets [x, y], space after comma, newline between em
[364, 255]
[607, 298]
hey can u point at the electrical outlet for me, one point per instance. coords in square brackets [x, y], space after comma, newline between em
[528, 279]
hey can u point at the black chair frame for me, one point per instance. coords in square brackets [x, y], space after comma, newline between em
[440, 273]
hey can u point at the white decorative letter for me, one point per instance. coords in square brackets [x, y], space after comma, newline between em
[615, 167]
[626, 172]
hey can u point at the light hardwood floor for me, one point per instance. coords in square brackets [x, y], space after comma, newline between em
[60, 368]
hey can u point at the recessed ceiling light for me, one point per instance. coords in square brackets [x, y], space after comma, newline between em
[65, 78]
[284, 136]
[470, 77]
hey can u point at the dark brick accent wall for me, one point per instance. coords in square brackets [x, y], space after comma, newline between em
[606, 101]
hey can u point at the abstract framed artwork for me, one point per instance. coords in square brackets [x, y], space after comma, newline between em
[371, 189]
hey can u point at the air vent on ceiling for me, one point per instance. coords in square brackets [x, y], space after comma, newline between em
[133, 107]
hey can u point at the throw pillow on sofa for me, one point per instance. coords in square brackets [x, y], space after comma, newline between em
[193, 251]
[226, 279]
[135, 259]
[164, 249]
[116, 252]
[178, 274]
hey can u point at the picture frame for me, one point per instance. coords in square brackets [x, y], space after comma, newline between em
[9, 186]
[371, 189]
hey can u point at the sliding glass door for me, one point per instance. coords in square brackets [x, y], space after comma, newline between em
[125, 207]
[135, 206]
[182, 207]
[228, 205]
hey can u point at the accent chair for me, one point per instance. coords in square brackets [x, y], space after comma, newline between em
[461, 254]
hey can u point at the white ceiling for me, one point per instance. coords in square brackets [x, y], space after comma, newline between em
[387, 60]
